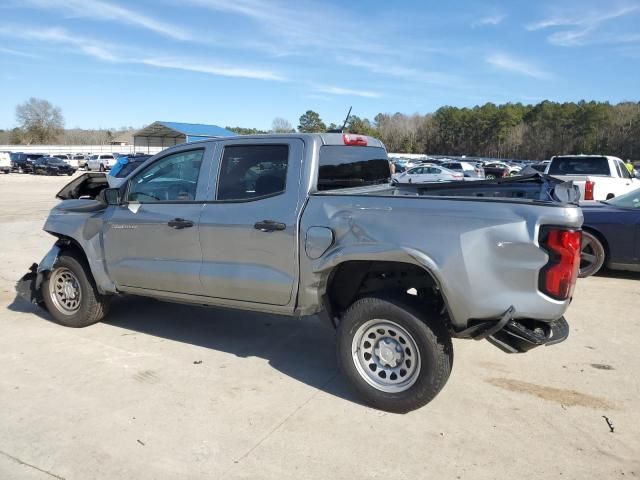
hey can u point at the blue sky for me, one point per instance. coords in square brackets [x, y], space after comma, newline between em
[110, 63]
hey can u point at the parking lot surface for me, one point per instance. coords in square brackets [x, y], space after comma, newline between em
[170, 391]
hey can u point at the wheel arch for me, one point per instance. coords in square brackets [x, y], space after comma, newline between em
[351, 279]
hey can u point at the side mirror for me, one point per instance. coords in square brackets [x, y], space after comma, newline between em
[112, 196]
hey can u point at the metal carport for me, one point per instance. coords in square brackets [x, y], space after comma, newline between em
[166, 134]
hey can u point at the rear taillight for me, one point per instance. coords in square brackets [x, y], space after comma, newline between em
[505, 173]
[354, 140]
[558, 277]
[588, 189]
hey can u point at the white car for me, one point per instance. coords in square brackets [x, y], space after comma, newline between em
[5, 162]
[427, 174]
[101, 162]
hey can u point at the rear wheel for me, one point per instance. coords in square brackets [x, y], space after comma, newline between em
[592, 255]
[395, 357]
[490, 176]
[101, 169]
[70, 294]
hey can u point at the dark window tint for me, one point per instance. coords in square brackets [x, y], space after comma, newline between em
[252, 171]
[579, 166]
[171, 178]
[453, 166]
[344, 166]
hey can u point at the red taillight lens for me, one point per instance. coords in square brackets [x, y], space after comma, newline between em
[588, 189]
[558, 277]
[354, 140]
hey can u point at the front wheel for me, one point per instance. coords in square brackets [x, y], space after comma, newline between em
[490, 176]
[70, 294]
[395, 357]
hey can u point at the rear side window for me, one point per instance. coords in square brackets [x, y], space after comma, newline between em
[347, 166]
[579, 166]
[252, 171]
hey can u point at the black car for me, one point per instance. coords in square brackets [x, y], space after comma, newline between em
[52, 166]
[23, 162]
[611, 234]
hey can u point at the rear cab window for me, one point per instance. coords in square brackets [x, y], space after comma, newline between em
[349, 166]
[579, 166]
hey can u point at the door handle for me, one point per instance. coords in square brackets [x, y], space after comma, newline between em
[269, 226]
[180, 223]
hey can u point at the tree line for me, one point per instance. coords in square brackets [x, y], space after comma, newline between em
[512, 130]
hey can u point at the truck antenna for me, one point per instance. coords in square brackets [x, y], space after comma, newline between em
[346, 119]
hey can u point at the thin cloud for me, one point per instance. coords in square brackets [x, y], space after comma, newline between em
[585, 28]
[211, 68]
[333, 90]
[406, 73]
[18, 53]
[489, 21]
[316, 25]
[511, 64]
[101, 10]
[116, 54]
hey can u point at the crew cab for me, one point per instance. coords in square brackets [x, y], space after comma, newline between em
[598, 177]
[100, 162]
[310, 224]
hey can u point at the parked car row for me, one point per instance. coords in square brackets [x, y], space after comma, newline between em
[25, 162]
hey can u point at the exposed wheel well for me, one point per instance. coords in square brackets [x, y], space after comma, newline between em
[354, 279]
[69, 244]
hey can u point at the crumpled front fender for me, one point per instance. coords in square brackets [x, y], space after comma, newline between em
[29, 287]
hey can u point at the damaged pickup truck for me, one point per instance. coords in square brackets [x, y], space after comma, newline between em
[307, 224]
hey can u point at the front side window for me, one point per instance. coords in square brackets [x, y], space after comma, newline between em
[169, 179]
[252, 171]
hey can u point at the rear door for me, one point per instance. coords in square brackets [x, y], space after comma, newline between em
[248, 229]
[153, 242]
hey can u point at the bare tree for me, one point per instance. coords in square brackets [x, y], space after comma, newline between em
[281, 125]
[39, 121]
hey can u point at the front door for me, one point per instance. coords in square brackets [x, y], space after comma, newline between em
[152, 241]
[248, 231]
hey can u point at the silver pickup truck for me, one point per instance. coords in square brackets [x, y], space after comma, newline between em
[310, 224]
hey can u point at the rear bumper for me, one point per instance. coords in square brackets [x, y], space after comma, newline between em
[518, 335]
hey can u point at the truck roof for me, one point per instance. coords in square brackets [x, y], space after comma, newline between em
[324, 138]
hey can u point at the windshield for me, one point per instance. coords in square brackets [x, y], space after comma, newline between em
[579, 166]
[347, 166]
[628, 200]
[55, 161]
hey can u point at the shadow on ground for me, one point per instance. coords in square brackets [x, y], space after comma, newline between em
[303, 349]
[621, 274]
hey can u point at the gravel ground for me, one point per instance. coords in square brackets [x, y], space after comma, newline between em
[169, 391]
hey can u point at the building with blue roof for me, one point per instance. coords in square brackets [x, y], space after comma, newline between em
[167, 134]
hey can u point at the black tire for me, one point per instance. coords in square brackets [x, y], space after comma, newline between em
[101, 169]
[431, 338]
[92, 306]
[592, 255]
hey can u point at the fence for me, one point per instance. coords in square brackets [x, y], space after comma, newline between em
[77, 149]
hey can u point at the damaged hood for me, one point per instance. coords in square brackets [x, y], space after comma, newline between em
[86, 186]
